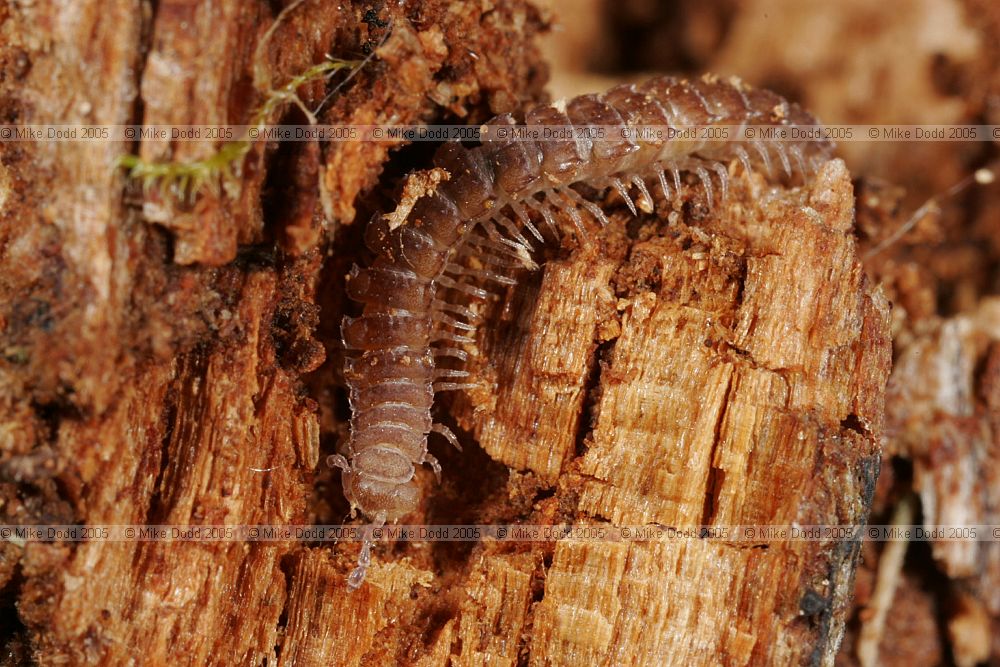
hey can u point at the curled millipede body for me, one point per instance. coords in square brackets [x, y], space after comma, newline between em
[485, 207]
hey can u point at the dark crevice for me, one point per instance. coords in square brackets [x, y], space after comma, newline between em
[143, 48]
[537, 587]
[544, 494]
[291, 169]
[658, 36]
[716, 477]
[741, 281]
[157, 510]
[276, 6]
[285, 565]
[853, 423]
[435, 620]
[49, 415]
[471, 482]
[291, 329]
[592, 396]
[15, 643]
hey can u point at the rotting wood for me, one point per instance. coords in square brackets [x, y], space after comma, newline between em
[701, 415]
[662, 377]
[745, 387]
[943, 397]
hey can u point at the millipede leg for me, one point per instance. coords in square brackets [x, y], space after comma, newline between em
[511, 228]
[452, 352]
[500, 242]
[586, 204]
[448, 434]
[675, 172]
[542, 209]
[449, 373]
[447, 320]
[619, 186]
[568, 205]
[453, 386]
[457, 309]
[706, 182]
[645, 201]
[459, 270]
[522, 215]
[744, 158]
[720, 171]
[764, 157]
[433, 463]
[796, 152]
[662, 175]
[497, 256]
[357, 575]
[451, 337]
[471, 290]
[783, 157]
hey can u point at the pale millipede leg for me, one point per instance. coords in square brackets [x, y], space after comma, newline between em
[675, 172]
[542, 209]
[720, 171]
[452, 352]
[459, 270]
[453, 386]
[662, 175]
[588, 205]
[623, 191]
[433, 463]
[567, 205]
[744, 158]
[706, 182]
[447, 320]
[457, 309]
[799, 161]
[518, 256]
[448, 434]
[498, 256]
[484, 243]
[471, 290]
[645, 200]
[449, 373]
[522, 215]
[764, 157]
[511, 228]
[783, 157]
[357, 575]
[488, 225]
[451, 338]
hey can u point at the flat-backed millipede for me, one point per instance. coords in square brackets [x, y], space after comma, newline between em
[489, 204]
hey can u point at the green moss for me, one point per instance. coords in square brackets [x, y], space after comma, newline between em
[186, 179]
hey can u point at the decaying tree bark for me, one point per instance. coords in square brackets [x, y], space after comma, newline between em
[737, 381]
[162, 363]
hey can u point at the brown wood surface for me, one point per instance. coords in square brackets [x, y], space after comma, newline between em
[162, 361]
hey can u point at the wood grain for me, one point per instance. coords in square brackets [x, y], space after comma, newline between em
[699, 366]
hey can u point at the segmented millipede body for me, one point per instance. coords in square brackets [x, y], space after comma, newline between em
[489, 205]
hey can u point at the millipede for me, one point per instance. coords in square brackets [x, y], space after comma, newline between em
[496, 202]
